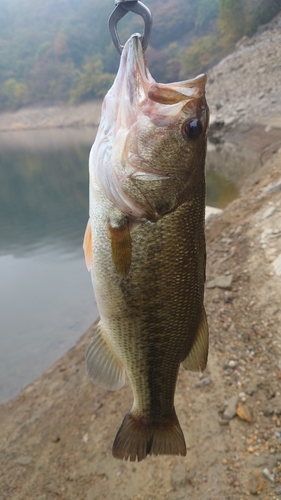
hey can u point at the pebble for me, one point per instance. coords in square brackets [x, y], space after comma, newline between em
[232, 364]
[267, 411]
[267, 475]
[223, 421]
[231, 407]
[268, 212]
[277, 265]
[224, 282]
[273, 187]
[244, 412]
[255, 484]
[179, 477]
[24, 460]
[85, 438]
[203, 382]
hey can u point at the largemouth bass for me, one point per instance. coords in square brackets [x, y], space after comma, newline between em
[145, 248]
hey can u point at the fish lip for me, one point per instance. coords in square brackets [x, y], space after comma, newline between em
[134, 72]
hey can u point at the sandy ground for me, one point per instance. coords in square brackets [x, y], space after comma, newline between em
[56, 436]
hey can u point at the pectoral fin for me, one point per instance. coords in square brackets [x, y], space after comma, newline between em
[197, 357]
[102, 365]
[87, 246]
[121, 244]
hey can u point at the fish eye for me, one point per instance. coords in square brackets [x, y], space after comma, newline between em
[192, 129]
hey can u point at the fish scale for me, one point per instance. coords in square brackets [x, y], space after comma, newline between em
[148, 271]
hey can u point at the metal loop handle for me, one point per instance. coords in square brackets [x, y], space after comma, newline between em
[122, 7]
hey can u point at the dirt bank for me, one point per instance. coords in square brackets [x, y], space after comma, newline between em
[83, 115]
[56, 436]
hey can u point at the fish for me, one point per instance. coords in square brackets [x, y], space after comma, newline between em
[145, 248]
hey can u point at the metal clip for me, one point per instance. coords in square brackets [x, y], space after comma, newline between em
[122, 7]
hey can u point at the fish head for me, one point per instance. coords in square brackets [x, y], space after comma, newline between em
[149, 154]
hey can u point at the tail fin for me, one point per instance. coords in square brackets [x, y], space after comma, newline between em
[138, 438]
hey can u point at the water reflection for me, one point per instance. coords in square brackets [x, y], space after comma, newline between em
[46, 297]
[43, 190]
[220, 191]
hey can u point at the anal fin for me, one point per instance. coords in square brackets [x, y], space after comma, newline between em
[102, 365]
[196, 359]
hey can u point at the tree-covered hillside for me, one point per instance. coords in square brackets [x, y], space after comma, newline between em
[61, 50]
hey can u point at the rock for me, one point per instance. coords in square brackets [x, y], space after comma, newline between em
[267, 411]
[245, 40]
[268, 389]
[277, 458]
[272, 187]
[223, 421]
[255, 484]
[85, 438]
[268, 476]
[24, 460]
[231, 407]
[277, 265]
[229, 120]
[268, 212]
[179, 476]
[221, 282]
[244, 412]
[251, 389]
[277, 406]
[212, 211]
[278, 490]
[232, 364]
[203, 382]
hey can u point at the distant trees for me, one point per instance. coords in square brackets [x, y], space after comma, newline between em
[231, 21]
[91, 81]
[60, 50]
[13, 94]
[234, 18]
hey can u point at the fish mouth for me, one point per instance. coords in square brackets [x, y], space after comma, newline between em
[132, 82]
[137, 88]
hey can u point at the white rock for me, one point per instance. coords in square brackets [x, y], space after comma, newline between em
[277, 265]
[212, 211]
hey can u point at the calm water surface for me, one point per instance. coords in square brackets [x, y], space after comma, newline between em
[46, 296]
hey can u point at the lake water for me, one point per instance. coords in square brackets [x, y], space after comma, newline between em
[46, 296]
